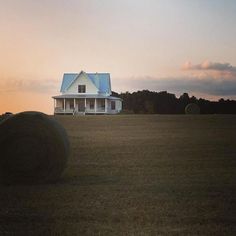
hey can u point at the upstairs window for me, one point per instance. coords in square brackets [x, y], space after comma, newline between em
[81, 88]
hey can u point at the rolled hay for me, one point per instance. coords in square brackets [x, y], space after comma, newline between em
[2, 118]
[192, 109]
[34, 148]
[5, 116]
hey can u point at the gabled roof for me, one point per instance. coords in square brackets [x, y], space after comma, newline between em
[100, 80]
[67, 80]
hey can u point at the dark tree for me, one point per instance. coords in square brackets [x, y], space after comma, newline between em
[148, 102]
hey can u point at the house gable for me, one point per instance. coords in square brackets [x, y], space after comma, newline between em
[82, 79]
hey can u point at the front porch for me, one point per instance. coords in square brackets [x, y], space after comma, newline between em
[82, 106]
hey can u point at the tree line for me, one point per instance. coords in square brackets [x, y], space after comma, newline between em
[148, 102]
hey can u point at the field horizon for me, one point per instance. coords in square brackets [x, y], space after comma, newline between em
[134, 175]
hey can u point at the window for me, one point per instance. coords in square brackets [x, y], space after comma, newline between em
[113, 105]
[81, 88]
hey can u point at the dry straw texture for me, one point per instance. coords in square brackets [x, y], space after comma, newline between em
[4, 117]
[192, 109]
[34, 148]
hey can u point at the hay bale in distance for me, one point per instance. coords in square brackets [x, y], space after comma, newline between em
[34, 148]
[192, 109]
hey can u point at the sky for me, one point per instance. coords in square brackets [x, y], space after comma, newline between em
[161, 45]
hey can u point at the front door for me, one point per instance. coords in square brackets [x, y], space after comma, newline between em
[81, 105]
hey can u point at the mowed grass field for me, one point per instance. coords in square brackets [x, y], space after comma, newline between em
[134, 175]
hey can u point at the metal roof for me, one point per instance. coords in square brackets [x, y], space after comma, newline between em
[67, 80]
[100, 80]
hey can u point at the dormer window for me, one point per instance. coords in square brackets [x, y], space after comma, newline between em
[81, 88]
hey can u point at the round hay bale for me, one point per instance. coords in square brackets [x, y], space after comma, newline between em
[192, 109]
[5, 116]
[2, 118]
[34, 149]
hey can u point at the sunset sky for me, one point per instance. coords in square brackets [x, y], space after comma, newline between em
[174, 45]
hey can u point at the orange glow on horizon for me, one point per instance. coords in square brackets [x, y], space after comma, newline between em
[19, 102]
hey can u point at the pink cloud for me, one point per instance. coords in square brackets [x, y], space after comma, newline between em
[207, 65]
[214, 70]
[27, 85]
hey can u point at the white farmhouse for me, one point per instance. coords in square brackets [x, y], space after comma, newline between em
[86, 93]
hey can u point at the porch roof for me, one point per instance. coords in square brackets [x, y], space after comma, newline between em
[72, 96]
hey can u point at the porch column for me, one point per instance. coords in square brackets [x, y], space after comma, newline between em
[95, 106]
[85, 105]
[106, 105]
[64, 105]
[54, 101]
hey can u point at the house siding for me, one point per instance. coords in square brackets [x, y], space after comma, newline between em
[82, 80]
[118, 105]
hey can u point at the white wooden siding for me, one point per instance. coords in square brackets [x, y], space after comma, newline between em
[118, 105]
[82, 80]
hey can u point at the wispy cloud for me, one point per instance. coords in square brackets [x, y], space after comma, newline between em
[27, 85]
[179, 85]
[207, 65]
[210, 69]
[206, 86]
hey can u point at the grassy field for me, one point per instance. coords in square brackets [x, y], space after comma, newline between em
[134, 175]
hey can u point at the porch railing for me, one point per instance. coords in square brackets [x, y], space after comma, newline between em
[61, 110]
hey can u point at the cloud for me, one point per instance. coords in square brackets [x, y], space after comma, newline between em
[178, 85]
[207, 86]
[27, 85]
[207, 65]
[209, 78]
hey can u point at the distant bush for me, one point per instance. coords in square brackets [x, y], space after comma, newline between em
[192, 109]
